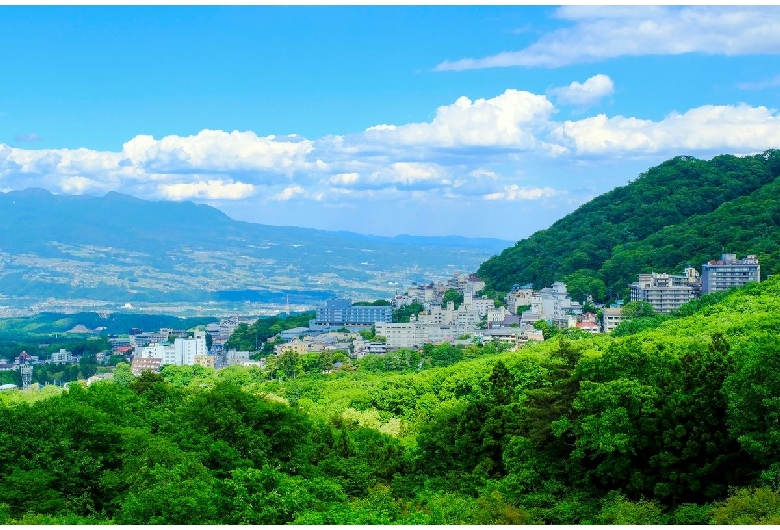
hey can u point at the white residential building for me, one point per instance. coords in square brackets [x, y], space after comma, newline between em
[551, 303]
[666, 292]
[401, 335]
[438, 316]
[497, 314]
[184, 351]
[466, 320]
[62, 356]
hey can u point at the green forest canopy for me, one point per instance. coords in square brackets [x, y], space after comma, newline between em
[672, 423]
[683, 211]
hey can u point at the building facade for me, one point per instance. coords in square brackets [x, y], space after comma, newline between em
[339, 312]
[666, 292]
[728, 272]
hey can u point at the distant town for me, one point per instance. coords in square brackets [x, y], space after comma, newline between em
[450, 311]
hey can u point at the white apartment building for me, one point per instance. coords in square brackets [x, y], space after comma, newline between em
[466, 320]
[187, 349]
[438, 316]
[401, 335]
[480, 305]
[497, 314]
[551, 303]
[666, 292]
[62, 356]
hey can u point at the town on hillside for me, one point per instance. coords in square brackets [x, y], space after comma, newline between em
[450, 312]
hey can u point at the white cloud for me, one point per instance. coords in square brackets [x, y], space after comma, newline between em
[706, 129]
[78, 185]
[585, 94]
[487, 148]
[344, 178]
[609, 32]
[211, 189]
[513, 192]
[290, 193]
[211, 150]
[507, 120]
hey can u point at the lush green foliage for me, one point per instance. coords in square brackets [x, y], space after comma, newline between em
[684, 211]
[403, 313]
[251, 337]
[674, 423]
[378, 302]
[49, 324]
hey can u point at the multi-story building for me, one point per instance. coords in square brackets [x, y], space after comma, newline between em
[62, 356]
[145, 338]
[666, 292]
[551, 303]
[228, 325]
[182, 351]
[497, 314]
[339, 312]
[141, 364]
[728, 272]
[480, 305]
[297, 346]
[187, 349]
[235, 357]
[401, 335]
[465, 282]
[207, 361]
[612, 316]
[439, 316]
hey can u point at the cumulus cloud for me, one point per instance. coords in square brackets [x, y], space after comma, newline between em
[585, 94]
[469, 149]
[513, 192]
[728, 128]
[508, 120]
[211, 150]
[79, 185]
[210, 189]
[290, 193]
[608, 32]
[344, 178]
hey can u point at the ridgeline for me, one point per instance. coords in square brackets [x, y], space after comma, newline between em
[683, 211]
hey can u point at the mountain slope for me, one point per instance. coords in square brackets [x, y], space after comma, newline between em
[661, 221]
[121, 248]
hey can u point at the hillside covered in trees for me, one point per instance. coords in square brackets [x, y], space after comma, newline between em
[673, 421]
[684, 211]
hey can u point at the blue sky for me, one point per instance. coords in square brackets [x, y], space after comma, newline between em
[477, 121]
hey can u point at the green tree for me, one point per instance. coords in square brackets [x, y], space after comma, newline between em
[403, 313]
[289, 363]
[451, 295]
[637, 309]
[122, 374]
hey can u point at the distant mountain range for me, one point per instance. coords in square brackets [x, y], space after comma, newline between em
[683, 211]
[120, 248]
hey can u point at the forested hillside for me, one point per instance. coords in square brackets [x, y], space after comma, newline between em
[684, 211]
[676, 423]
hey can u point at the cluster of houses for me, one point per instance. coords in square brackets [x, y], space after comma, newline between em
[338, 322]
[27, 361]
